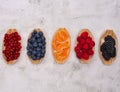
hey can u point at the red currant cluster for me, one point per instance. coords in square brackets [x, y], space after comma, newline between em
[12, 46]
[84, 47]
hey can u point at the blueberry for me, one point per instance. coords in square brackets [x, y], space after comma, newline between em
[32, 39]
[34, 52]
[37, 58]
[29, 53]
[43, 42]
[37, 35]
[38, 49]
[29, 40]
[43, 38]
[40, 44]
[38, 54]
[34, 32]
[31, 49]
[35, 44]
[43, 51]
[34, 57]
[28, 47]
[39, 40]
[40, 33]
[42, 55]
[43, 47]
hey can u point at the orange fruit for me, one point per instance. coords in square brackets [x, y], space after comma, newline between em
[61, 45]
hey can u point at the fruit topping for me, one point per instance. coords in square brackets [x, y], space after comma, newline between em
[36, 47]
[61, 45]
[12, 45]
[84, 46]
[108, 48]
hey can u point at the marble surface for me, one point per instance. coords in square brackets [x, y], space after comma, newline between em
[49, 15]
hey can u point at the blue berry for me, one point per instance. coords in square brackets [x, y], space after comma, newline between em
[42, 55]
[38, 49]
[43, 47]
[39, 40]
[40, 44]
[43, 51]
[37, 35]
[29, 53]
[34, 32]
[43, 38]
[35, 44]
[32, 39]
[40, 33]
[29, 40]
[43, 42]
[34, 52]
[34, 57]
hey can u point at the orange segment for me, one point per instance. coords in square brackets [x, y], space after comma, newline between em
[61, 45]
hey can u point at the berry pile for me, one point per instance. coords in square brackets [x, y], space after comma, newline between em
[84, 47]
[36, 45]
[12, 46]
[108, 48]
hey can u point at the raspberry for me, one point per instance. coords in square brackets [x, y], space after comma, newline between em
[79, 46]
[92, 43]
[77, 49]
[78, 38]
[88, 40]
[85, 56]
[79, 55]
[85, 46]
[82, 41]
[90, 52]
[84, 35]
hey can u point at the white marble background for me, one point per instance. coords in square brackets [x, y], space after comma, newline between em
[49, 15]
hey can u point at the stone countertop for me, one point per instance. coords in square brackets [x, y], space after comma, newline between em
[49, 15]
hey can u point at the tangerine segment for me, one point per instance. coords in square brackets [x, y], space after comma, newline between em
[61, 45]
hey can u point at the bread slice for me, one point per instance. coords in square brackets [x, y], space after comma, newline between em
[3, 47]
[113, 35]
[89, 34]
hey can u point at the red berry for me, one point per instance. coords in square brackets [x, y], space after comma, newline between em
[85, 56]
[77, 49]
[79, 46]
[78, 38]
[92, 43]
[85, 46]
[90, 52]
[19, 38]
[88, 40]
[84, 51]
[79, 55]
[84, 35]
[82, 41]
[12, 46]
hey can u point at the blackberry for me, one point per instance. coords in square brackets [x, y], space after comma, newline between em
[113, 54]
[108, 48]
[109, 38]
[106, 56]
[103, 47]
